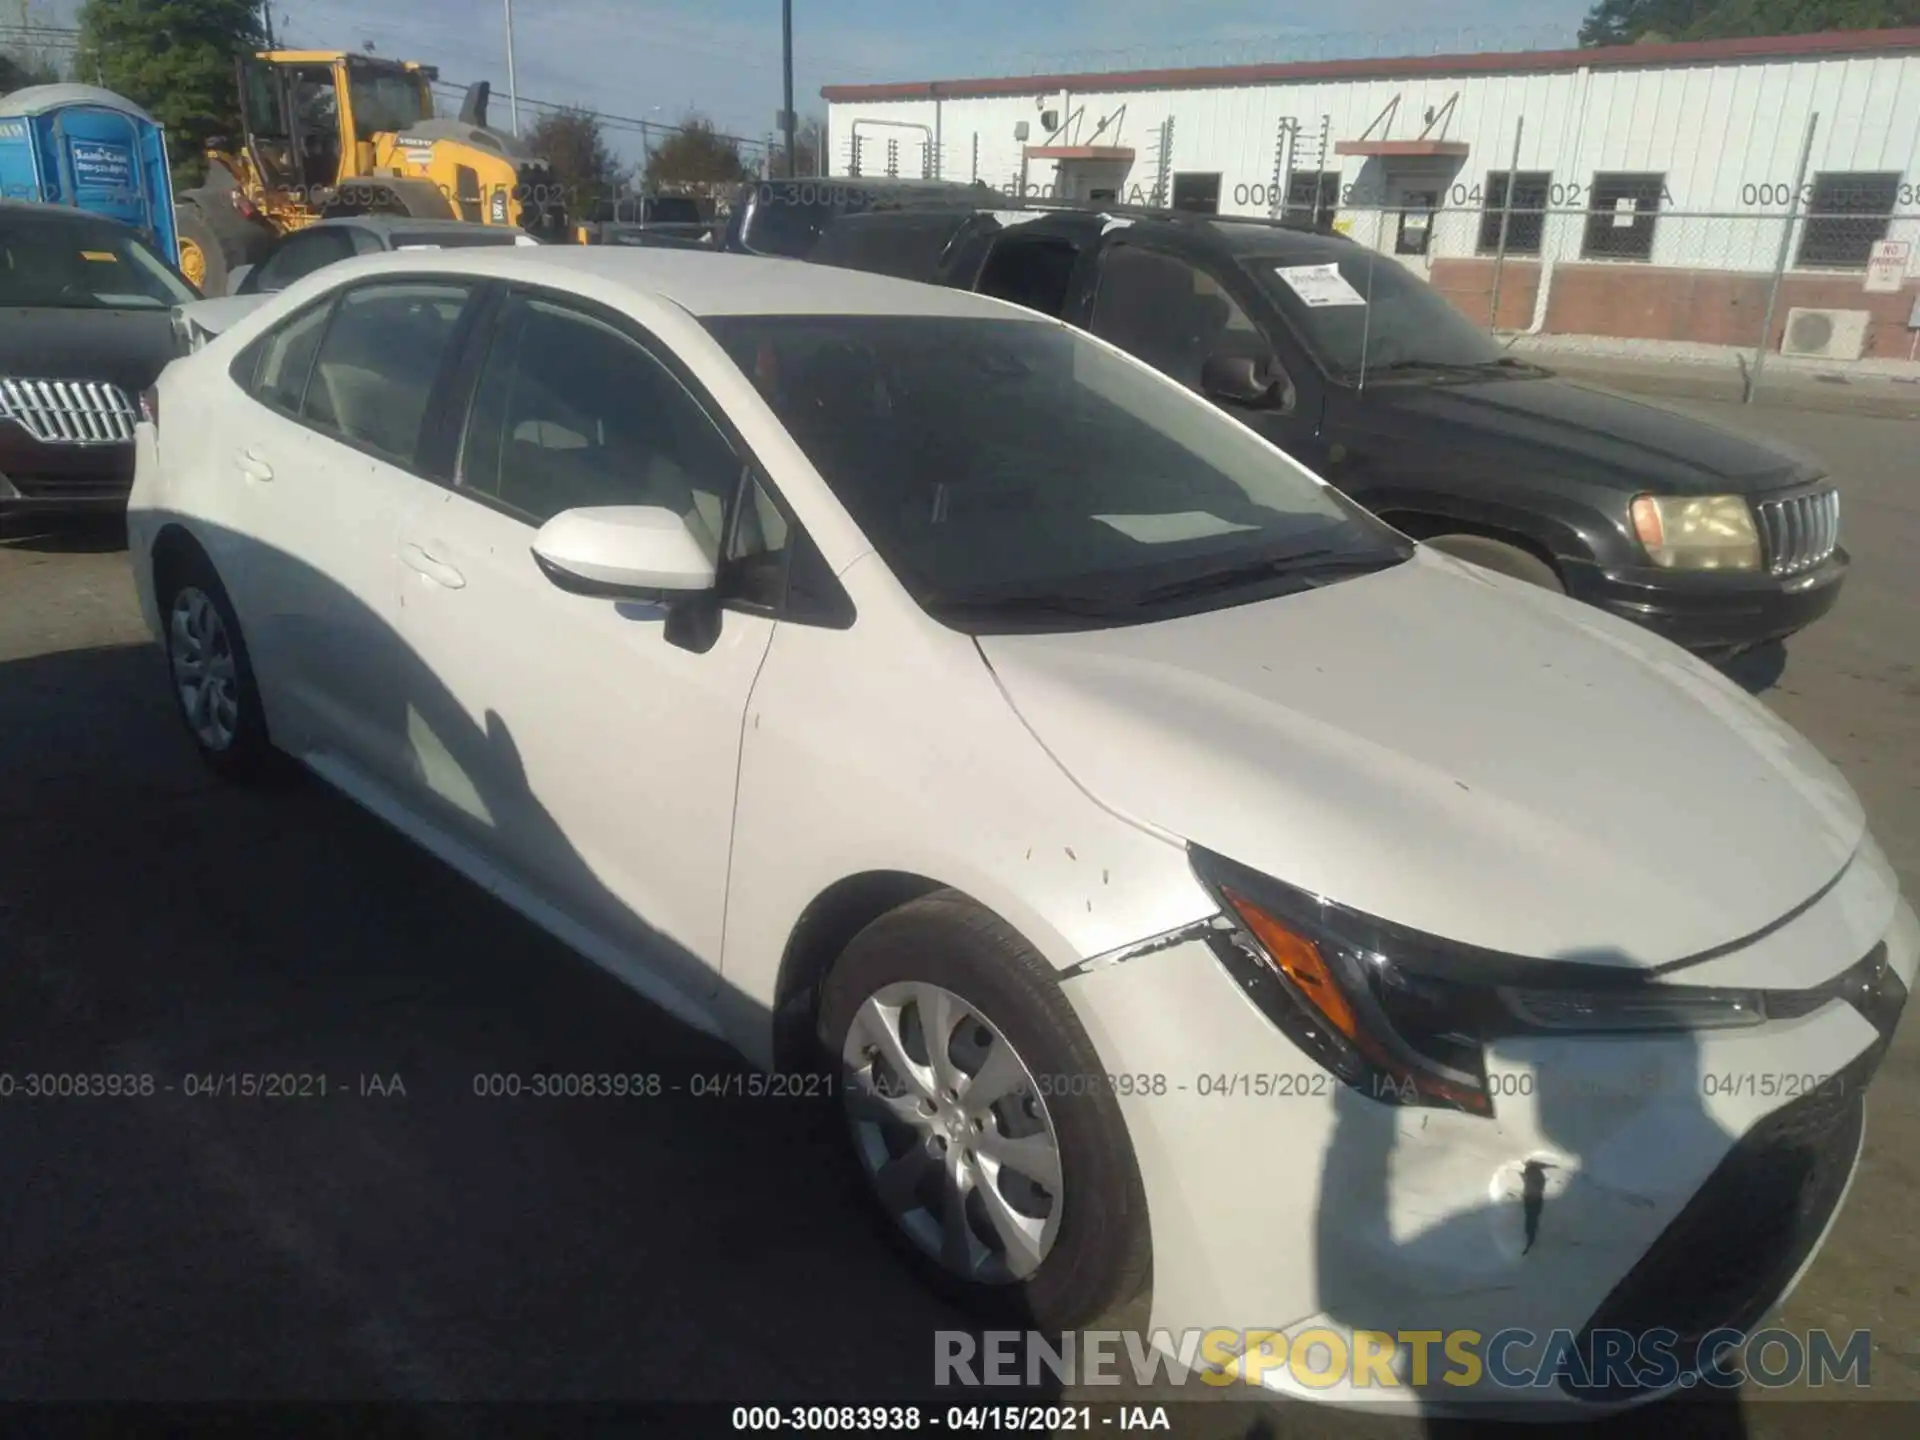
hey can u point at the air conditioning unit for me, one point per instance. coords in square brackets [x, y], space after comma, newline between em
[1825, 334]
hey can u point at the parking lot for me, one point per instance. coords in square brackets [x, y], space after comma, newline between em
[401, 1236]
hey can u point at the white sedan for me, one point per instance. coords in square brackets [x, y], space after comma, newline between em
[1189, 883]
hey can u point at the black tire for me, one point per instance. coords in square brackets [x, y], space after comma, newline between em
[1101, 1255]
[249, 757]
[197, 234]
[1501, 558]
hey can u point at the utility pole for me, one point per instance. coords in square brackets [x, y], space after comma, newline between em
[786, 62]
[266, 15]
[513, 87]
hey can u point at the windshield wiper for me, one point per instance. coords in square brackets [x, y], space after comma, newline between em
[1035, 605]
[1309, 568]
[1452, 367]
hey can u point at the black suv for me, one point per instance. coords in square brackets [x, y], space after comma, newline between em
[787, 217]
[1355, 366]
[86, 325]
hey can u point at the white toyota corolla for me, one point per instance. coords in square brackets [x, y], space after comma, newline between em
[1190, 884]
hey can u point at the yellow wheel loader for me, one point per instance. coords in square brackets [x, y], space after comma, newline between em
[331, 132]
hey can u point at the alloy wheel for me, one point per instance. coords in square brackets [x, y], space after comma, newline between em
[206, 676]
[953, 1132]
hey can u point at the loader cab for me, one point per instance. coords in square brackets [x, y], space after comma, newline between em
[311, 115]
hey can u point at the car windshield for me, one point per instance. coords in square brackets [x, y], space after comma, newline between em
[1368, 307]
[71, 261]
[998, 464]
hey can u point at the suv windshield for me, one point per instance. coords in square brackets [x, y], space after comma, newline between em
[1017, 470]
[66, 260]
[1383, 313]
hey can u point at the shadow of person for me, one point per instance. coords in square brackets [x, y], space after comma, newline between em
[1567, 1233]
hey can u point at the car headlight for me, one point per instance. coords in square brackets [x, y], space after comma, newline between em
[1697, 532]
[1406, 1018]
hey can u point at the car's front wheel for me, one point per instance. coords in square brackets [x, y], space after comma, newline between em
[980, 1118]
[212, 677]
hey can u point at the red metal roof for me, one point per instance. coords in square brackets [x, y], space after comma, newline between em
[1080, 152]
[1613, 57]
[1394, 148]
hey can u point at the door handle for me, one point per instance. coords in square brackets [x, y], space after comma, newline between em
[438, 571]
[252, 466]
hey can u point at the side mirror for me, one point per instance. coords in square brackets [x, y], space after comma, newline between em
[1253, 382]
[624, 552]
[238, 277]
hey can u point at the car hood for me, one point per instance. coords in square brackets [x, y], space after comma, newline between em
[1553, 427]
[210, 317]
[128, 348]
[1456, 752]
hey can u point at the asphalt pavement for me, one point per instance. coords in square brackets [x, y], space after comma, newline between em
[403, 1237]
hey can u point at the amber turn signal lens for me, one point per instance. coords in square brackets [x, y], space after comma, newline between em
[1646, 523]
[1299, 960]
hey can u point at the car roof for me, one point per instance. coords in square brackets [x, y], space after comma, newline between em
[701, 282]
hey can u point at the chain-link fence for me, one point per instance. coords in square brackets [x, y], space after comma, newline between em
[1817, 268]
[1830, 285]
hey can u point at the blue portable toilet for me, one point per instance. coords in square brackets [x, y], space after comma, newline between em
[83, 146]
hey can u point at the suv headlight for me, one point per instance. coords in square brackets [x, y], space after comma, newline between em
[1697, 532]
[1405, 1018]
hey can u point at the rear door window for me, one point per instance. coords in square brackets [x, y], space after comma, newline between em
[374, 374]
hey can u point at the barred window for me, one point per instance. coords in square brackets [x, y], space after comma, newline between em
[1309, 191]
[1527, 224]
[1847, 214]
[1621, 216]
[1198, 192]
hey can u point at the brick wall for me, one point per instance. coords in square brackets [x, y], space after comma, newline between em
[1640, 302]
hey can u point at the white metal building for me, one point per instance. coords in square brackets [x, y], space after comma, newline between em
[1644, 172]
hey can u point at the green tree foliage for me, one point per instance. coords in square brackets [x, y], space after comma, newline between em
[1628, 22]
[175, 58]
[694, 154]
[585, 169]
[1802, 17]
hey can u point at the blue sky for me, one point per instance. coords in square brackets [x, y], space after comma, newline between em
[653, 59]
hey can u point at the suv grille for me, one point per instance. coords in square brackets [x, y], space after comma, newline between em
[1800, 532]
[68, 412]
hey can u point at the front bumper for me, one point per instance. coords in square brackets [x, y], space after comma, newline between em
[61, 478]
[1711, 613]
[1679, 1183]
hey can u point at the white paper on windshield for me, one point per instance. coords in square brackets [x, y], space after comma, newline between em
[1319, 285]
[1171, 529]
[416, 247]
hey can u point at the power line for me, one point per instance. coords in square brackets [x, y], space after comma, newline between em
[644, 127]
